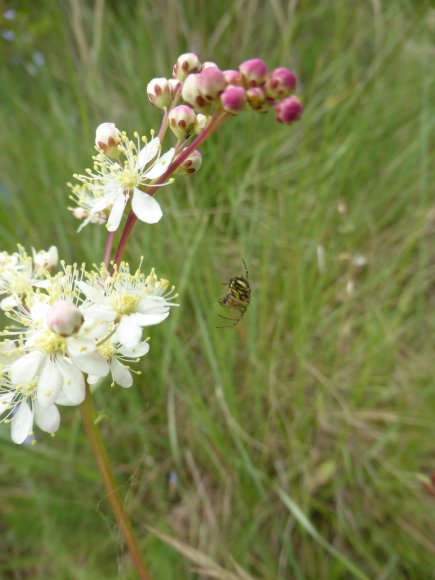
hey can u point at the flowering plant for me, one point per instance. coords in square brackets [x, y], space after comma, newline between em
[75, 326]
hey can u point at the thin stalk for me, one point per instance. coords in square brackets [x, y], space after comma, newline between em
[108, 248]
[93, 432]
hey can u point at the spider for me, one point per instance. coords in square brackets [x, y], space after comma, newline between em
[237, 297]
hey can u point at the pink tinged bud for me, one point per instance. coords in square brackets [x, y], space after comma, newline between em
[233, 99]
[159, 93]
[211, 83]
[107, 137]
[182, 121]
[191, 92]
[209, 64]
[64, 318]
[280, 83]
[233, 77]
[174, 86]
[288, 110]
[257, 99]
[253, 72]
[201, 122]
[192, 164]
[80, 213]
[186, 64]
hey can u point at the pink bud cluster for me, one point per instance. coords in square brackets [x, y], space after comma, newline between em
[205, 89]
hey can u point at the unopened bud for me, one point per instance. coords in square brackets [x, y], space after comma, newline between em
[107, 138]
[253, 72]
[79, 213]
[233, 99]
[174, 86]
[182, 121]
[288, 110]
[201, 122]
[64, 318]
[186, 64]
[257, 99]
[233, 77]
[280, 83]
[209, 64]
[46, 260]
[159, 93]
[211, 83]
[191, 164]
[191, 92]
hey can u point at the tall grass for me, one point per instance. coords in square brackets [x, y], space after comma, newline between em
[299, 439]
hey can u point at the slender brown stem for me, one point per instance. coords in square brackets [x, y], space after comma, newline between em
[93, 432]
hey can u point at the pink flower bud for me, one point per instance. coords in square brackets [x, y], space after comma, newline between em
[280, 83]
[233, 77]
[64, 318]
[191, 164]
[186, 64]
[288, 110]
[257, 99]
[253, 72]
[211, 83]
[201, 122]
[46, 260]
[209, 64]
[191, 92]
[174, 86]
[182, 121]
[159, 93]
[107, 137]
[233, 99]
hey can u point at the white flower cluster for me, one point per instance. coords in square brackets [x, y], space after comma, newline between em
[122, 169]
[66, 328]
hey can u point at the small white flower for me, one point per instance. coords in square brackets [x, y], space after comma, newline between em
[116, 354]
[19, 273]
[131, 301]
[105, 191]
[20, 407]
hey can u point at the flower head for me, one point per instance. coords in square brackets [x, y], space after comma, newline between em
[104, 192]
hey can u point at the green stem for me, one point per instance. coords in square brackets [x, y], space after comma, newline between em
[93, 432]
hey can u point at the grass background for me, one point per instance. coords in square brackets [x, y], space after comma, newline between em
[301, 439]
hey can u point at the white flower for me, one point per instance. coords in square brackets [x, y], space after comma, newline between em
[116, 354]
[56, 362]
[19, 273]
[106, 191]
[131, 301]
[20, 407]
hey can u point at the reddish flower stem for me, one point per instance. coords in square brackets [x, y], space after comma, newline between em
[108, 249]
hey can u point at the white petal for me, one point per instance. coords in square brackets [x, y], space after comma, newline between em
[79, 346]
[47, 418]
[25, 368]
[104, 313]
[116, 212]
[73, 388]
[159, 168]
[151, 319]
[49, 383]
[22, 423]
[146, 208]
[148, 153]
[8, 303]
[92, 379]
[128, 332]
[139, 350]
[120, 373]
[94, 294]
[92, 363]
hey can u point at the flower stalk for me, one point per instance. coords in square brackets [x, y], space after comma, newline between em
[87, 409]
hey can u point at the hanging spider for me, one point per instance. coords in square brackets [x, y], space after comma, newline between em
[237, 298]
